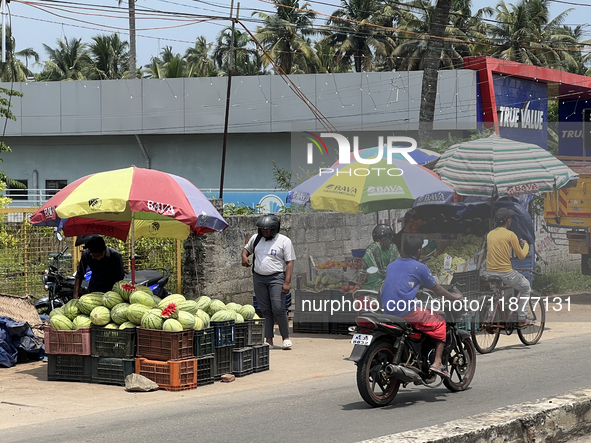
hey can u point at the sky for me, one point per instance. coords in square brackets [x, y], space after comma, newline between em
[41, 22]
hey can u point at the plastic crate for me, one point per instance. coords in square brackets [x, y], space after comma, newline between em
[311, 322]
[467, 281]
[256, 331]
[241, 335]
[222, 362]
[242, 362]
[116, 343]
[165, 345]
[255, 302]
[172, 375]
[224, 332]
[205, 370]
[67, 342]
[203, 342]
[112, 371]
[260, 357]
[69, 368]
[340, 323]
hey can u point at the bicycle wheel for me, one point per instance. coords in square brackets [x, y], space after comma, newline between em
[536, 315]
[485, 336]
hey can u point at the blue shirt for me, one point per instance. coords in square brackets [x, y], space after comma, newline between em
[403, 278]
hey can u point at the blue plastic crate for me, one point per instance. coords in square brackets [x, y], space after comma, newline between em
[255, 303]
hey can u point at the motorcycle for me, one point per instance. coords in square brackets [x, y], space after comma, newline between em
[389, 353]
[60, 287]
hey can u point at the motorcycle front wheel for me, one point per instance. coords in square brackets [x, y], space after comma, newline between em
[373, 384]
[462, 366]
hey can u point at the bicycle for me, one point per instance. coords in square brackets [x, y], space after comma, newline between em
[492, 316]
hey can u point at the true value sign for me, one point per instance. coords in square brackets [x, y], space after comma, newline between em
[521, 118]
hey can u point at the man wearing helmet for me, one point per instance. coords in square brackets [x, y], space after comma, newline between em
[379, 254]
[272, 268]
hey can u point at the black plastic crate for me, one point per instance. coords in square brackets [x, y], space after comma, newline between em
[340, 323]
[311, 322]
[241, 335]
[222, 361]
[467, 281]
[69, 368]
[256, 331]
[205, 370]
[260, 357]
[203, 343]
[224, 333]
[116, 343]
[242, 362]
[112, 371]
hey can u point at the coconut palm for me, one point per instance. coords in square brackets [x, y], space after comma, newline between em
[328, 59]
[168, 65]
[110, 57]
[68, 61]
[246, 61]
[14, 69]
[199, 63]
[284, 35]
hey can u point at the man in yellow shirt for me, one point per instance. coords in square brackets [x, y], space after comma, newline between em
[500, 241]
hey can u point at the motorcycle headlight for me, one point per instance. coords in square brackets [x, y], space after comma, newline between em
[46, 287]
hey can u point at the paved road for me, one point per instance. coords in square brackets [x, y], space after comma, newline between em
[329, 409]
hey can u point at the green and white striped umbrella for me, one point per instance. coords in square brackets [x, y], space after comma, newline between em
[475, 168]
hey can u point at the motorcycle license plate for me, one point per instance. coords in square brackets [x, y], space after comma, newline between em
[362, 339]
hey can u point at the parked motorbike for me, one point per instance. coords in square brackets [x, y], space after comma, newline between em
[60, 287]
[389, 353]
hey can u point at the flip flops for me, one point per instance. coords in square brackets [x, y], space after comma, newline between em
[439, 370]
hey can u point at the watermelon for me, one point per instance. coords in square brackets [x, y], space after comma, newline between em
[186, 319]
[126, 325]
[222, 316]
[57, 311]
[247, 312]
[215, 306]
[172, 325]
[152, 320]
[233, 314]
[174, 298]
[119, 313]
[100, 316]
[233, 307]
[156, 299]
[111, 299]
[144, 289]
[239, 318]
[204, 316]
[135, 313]
[190, 306]
[199, 325]
[88, 302]
[71, 309]
[124, 289]
[61, 323]
[111, 326]
[203, 302]
[81, 321]
[143, 298]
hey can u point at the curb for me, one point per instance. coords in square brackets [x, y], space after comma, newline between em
[557, 419]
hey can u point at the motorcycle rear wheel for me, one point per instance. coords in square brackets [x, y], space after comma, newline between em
[461, 367]
[375, 389]
[485, 336]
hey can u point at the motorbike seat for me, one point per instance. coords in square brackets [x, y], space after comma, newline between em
[492, 279]
[145, 277]
[388, 319]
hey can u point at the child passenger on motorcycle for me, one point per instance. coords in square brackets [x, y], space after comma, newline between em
[403, 278]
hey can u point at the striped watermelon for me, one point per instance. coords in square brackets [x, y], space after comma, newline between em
[111, 326]
[204, 316]
[119, 313]
[71, 309]
[247, 312]
[135, 313]
[57, 311]
[186, 319]
[203, 302]
[61, 323]
[174, 298]
[111, 299]
[81, 321]
[126, 325]
[172, 325]
[222, 316]
[100, 316]
[124, 289]
[88, 302]
[239, 318]
[143, 298]
[215, 306]
[144, 289]
[199, 325]
[233, 307]
[152, 320]
[190, 306]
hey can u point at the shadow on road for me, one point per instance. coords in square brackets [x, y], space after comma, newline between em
[405, 399]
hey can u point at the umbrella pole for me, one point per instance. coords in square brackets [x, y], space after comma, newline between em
[132, 250]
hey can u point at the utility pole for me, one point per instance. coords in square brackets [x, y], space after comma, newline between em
[230, 62]
[3, 31]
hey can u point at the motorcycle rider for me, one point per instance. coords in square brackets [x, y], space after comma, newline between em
[105, 263]
[403, 278]
[379, 254]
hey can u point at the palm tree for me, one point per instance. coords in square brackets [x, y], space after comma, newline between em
[14, 69]
[110, 56]
[284, 36]
[69, 61]
[328, 59]
[199, 63]
[246, 59]
[168, 65]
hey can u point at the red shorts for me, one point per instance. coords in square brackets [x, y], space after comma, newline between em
[431, 324]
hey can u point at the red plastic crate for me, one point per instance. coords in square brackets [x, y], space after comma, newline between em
[178, 375]
[165, 345]
[67, 342]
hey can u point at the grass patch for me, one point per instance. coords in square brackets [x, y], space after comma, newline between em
[561, 282]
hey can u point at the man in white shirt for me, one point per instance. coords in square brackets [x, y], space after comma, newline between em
[272, 268]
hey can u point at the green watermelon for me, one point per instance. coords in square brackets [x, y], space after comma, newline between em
[203, 302]
[172, 325]
[61, 323]
[174, 298]
[156, 299]
[111, 299]
[222, 316]
[239, 318]
[199, 325]
[143, 298]
[111, 326]
[190, 306]
[119, 313]
[88, 302]
[124, 289]
[100, 316]
[81, 321]
[135, 313]
[57, 311]
[215, 306]
[233, 307]
[126, 325]
[152, 320]
[144, 289]
[204, 316]
[186, 319]
[71, 309]
[247, 312]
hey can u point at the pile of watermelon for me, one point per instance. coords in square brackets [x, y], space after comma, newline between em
[127, 306]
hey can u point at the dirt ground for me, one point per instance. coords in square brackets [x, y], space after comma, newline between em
[27, 397]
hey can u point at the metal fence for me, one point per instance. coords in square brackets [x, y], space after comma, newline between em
[26, 251]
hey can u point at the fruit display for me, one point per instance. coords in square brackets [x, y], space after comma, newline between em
[413, 226]
[461, 251]
[329, 264]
